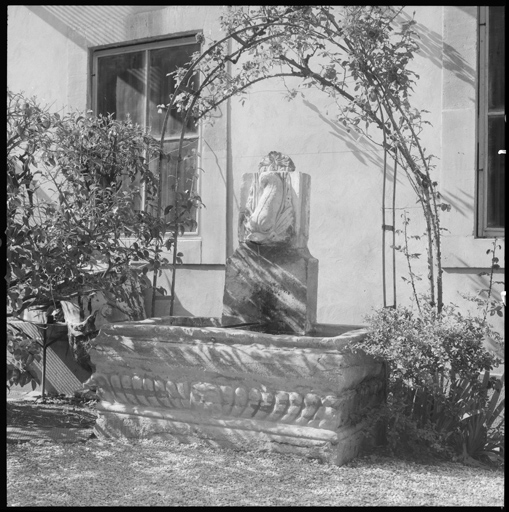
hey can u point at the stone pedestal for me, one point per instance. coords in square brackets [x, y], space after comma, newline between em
[274, 286]
[273, 283]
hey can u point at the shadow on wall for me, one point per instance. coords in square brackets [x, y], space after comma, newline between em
[93, 22]
[365, 151]
[481, 282]
[75, 23]
[162, 304]
[462, 206]
[441, 54]
[473, 284]
[90, 24]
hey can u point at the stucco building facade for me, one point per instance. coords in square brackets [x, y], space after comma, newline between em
[53, 53]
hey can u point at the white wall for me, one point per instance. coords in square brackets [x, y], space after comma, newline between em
[48, 55]
[346, 180]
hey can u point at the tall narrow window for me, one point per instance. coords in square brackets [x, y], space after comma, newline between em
[132, 80]
[491, 193]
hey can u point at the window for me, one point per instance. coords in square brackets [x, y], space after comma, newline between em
[491, 108]
[132, 80]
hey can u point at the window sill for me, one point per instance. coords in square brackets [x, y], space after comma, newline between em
[190, 247]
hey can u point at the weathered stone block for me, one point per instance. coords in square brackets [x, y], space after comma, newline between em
[274, 286]
[236, 388]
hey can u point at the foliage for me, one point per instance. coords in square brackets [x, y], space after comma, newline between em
[436, 400]
[358, 55]
[74, 217]
[186, 200]
[482, 424]
[24, 351]
[73, 184]
[421, 344]
[484, 297]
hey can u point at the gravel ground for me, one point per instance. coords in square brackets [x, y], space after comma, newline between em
[152, 473]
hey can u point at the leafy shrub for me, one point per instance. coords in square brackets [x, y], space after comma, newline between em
[73, 186]
[482, 425]
[23, 350]
[436, 400]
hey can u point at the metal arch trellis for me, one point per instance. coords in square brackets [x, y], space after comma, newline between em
[389, 227]
[233, 57]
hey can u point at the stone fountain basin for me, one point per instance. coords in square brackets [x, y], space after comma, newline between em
[188, 379]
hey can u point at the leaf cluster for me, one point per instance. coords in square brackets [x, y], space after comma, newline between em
[24, 350]
[435, 362]
[75, 189]
[417, 345]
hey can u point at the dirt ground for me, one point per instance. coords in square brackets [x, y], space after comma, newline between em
[61, 412]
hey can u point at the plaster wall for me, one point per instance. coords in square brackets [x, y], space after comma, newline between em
[57, 55]
[197, 288]
[36, 58]
[346, 180]
[53, 62]
[464, 254]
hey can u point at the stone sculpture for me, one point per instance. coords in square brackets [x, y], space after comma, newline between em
[287, 384]
[269, 217]
[271, 279]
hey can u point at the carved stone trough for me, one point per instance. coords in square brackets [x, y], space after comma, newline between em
[287, 384]
[235, 388]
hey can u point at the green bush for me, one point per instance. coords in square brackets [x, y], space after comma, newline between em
[439, 397]
[74, 190]
[23, 350]
[73, 186]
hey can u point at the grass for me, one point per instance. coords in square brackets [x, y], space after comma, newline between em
[152, 473]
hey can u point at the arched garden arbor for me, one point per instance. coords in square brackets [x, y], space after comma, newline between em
[360, 57]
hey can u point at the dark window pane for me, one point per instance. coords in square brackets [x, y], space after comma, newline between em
[187, 179]
[496, 58]
[496, 172]
[162, 62]
[121, 86]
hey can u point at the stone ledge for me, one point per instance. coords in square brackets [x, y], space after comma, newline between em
[190, 418]
[327, 446]
[150, 331]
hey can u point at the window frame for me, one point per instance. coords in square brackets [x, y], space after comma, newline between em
[146, 46]
[483, 231]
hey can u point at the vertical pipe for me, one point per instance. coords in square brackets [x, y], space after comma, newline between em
[384, 285]
[394, 226]
[44, 347]
[230, 235]
[159, 200]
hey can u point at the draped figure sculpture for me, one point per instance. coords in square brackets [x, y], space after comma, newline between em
[268, 217]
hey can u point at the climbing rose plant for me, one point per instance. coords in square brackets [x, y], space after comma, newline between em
[359, 56]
